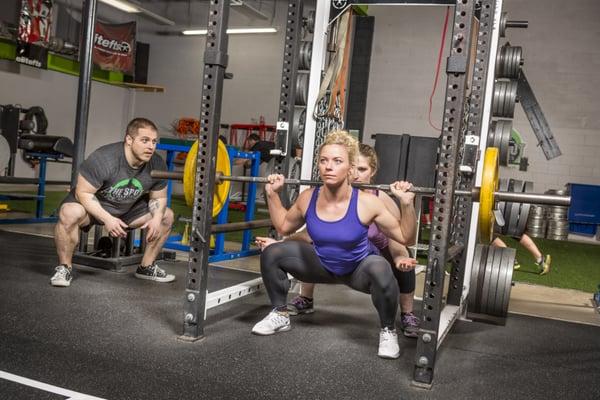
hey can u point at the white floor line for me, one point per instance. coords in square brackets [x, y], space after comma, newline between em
[46, 387]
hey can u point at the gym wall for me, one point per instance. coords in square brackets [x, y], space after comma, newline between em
[561, 60]
[176, 62]
[57, 94]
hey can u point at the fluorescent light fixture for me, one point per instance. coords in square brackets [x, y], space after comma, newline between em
[134, 8]
[247, 10]
[231, 31]
[122, 5]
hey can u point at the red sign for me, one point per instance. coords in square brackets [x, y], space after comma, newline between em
[114, 47]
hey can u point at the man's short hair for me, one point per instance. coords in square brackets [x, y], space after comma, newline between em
[253, 136]
[135, 124]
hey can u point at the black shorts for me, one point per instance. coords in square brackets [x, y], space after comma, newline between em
[137, 210]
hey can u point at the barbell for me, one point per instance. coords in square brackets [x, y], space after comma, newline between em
[487, 194]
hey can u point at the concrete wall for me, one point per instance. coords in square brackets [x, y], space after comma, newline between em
[562, 56]
[176, 62]
[405, 50]
[110, 109]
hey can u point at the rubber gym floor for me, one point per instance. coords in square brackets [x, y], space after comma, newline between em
[112, 336]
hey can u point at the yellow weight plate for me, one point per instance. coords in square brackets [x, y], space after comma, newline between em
[221, 191]
[489, 185]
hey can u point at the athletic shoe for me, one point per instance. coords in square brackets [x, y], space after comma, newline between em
[272, 323]
[409, 323]
[388, 344]
[154, 273]
[517, 265]
[545, 264]
[300, 305]
[62, 277]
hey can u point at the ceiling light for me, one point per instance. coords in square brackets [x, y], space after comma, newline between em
[247, 10]
[231, 31]
[134, 8]
[122, 5]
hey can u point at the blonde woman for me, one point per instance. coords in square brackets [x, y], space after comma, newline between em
[337, 219]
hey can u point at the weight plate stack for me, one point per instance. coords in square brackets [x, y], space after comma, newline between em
[490, 284]
[499, 136]
[505, 98]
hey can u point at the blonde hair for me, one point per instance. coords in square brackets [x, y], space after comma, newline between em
[342, 138]
[369, 153]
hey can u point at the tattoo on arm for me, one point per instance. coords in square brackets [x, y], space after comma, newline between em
[154, 206]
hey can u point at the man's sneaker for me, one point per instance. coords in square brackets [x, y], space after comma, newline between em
[545, 264]
[272, 323]
[300, 305]
[388, 344]
[410, 324]
[154, 273]
[62, 277]
[517, 265]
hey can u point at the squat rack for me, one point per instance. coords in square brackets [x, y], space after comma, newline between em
[464, 120]
[458, 167]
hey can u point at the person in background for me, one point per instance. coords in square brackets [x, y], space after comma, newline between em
[543, 262]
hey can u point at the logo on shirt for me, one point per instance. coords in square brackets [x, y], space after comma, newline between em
[124, 191]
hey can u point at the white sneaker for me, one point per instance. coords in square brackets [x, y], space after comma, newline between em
[388, 344]
[272, 323]
[62, 277]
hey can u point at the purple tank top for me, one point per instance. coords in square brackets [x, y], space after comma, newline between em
[376, 237]
[341, 245]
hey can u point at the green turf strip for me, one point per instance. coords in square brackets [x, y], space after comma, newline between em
[574, 265]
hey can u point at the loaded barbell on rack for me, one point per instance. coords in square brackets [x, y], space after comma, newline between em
[487, 194]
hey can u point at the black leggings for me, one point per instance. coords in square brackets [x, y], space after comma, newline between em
[406, 279]
[373, 276]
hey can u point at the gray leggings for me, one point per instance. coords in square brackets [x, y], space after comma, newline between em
[373, 276]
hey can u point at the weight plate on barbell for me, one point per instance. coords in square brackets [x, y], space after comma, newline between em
[223, 166]
[515, 208]
[489, 185]
[502, 187]
[524, 212]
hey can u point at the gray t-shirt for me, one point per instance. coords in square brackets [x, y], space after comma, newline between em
[119, 185]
